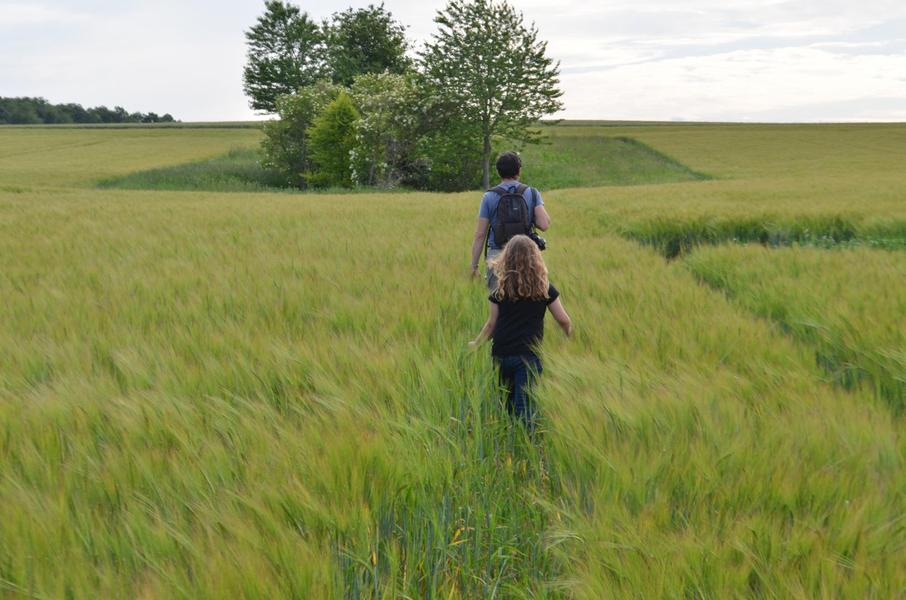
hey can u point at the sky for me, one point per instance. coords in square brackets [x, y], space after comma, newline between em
[697, 60]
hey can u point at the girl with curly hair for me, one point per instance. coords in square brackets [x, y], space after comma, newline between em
[516, 321]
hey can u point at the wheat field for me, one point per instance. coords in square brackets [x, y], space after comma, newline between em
[231, 394]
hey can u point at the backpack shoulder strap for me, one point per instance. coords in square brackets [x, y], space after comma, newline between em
[520, 191]
[535, 204]
[500, 191]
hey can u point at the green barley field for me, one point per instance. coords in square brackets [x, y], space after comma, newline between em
[211, 390]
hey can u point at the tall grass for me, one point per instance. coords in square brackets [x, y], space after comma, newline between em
[269, 398]
[260, 390]
[850, 305]
[224, 395]
[701, 453]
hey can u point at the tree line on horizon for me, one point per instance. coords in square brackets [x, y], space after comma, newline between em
[37, 111]
[358, 105]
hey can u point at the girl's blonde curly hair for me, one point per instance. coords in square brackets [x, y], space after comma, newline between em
[520, 271]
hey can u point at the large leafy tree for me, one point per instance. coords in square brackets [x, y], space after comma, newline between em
[365, 40]
[495, 71]
[285, 52]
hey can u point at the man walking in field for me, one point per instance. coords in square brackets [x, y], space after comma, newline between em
[509, 209]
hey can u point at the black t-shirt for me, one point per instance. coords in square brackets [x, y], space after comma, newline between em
[520, 324]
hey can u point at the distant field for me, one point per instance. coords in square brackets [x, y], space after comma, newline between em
[210, 394]
[80, 157]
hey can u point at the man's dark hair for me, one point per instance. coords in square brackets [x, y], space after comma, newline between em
[508, 165]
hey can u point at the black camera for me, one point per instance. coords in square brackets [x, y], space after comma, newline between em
[542, 243]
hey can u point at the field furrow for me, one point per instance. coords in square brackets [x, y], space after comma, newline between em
[703, 454]
[850, 305]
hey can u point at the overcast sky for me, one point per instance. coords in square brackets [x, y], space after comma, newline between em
[739, 60]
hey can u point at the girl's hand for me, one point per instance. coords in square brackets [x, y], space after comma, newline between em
[474, 344]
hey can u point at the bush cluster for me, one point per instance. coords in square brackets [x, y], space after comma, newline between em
[430, 123]
[382, 131]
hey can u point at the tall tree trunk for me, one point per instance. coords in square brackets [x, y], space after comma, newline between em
[486, 162]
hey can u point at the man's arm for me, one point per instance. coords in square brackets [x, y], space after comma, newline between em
[481, 234]
[542, 219]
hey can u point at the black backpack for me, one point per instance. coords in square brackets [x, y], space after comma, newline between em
[512, 215]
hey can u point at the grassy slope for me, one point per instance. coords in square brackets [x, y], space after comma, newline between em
[237, 171]
[187, 380]
[566, 161]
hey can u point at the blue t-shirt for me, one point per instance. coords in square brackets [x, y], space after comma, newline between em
[491, 199]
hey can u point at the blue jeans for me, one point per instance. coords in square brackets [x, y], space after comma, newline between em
[517, 375]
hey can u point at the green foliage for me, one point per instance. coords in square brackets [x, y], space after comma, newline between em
[387, 133]
[708, 455]
[288, 51]
[453, 162]
[365, 40]
[285, 53]
[494, 71]
[26, 111]
[285, 145]
[485, 77]
[332, 138]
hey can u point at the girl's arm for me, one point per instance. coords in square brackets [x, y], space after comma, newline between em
[488, 328]
[563, 320]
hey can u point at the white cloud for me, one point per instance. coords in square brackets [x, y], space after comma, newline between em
[18, 15]
[789, 83]
[657, 59]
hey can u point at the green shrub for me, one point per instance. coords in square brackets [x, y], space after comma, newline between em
[285, 144]
[331, 141]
